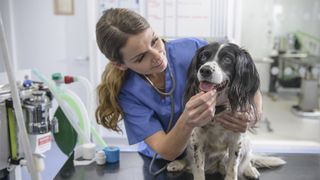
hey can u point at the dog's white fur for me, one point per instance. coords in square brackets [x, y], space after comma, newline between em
[214, 149]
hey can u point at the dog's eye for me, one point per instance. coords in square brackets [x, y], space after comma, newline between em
[204, 56]
[227, 60]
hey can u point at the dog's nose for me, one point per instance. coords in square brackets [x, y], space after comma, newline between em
[206, 71]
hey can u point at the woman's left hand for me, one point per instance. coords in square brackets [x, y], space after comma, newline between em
[236, 121]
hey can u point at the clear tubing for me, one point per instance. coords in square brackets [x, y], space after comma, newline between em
[17, 105]
[77, 105]
[98, 138]
[72, 119]
[80, 110]
[89, 90]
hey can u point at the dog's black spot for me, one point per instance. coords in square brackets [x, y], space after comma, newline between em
[220, 108]
[195, 147]
[192, 135]
[196, 155]
[236, 153]
[241, 156]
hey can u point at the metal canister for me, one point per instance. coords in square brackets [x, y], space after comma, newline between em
[36, 111]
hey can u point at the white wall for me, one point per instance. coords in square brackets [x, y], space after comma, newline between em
[263, 20]
[302, 17]
[47, 41]
[6, 16]
[40, 36]
[298, 15]
[256, 27]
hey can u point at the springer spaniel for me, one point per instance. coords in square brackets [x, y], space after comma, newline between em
[231, 71]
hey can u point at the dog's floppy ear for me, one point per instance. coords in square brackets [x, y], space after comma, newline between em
[245, 82]
[192, 86]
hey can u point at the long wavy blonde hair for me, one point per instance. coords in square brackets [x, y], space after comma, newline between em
[112, 32]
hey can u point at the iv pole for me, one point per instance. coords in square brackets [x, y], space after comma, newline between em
[35, 175]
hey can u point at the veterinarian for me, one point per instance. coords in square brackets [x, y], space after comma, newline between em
[144, 85]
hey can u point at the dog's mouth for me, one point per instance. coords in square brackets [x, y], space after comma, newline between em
[207, 86]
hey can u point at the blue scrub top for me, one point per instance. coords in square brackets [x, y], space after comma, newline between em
[145, 111]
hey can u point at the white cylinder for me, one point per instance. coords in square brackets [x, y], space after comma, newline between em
[88, 151]
[100, 158]
[39, 163]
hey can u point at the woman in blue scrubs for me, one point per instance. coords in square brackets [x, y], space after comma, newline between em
[144, 85]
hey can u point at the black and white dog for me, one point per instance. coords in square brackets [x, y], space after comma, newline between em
[231, 71]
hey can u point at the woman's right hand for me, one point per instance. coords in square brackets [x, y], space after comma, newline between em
[200, 109]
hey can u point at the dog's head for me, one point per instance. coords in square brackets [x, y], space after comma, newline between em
[224, 67]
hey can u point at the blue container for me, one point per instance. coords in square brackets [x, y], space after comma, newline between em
[112, 154]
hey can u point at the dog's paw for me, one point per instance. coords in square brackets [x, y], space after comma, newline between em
[177, 165]
[251, 173]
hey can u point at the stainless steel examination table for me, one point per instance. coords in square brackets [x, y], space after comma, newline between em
[133, 166]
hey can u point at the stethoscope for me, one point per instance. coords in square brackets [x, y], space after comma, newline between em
[170, 93]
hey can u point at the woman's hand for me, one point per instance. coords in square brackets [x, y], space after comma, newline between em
[200, 109]
[236, 121]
